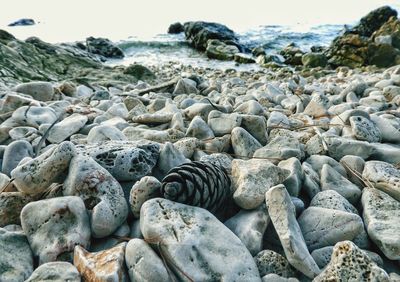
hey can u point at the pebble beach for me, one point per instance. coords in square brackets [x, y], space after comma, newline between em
[287, 171]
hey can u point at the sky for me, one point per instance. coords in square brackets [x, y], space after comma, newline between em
[69, 20]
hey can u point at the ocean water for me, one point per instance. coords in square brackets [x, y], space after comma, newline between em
[139, 27]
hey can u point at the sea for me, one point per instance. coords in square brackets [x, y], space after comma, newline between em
[139, 26]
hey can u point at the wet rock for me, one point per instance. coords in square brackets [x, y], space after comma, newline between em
[242, 58]
[55, 226]
[11, 204]
[36, 175]
[381, 213]
[217, 49]
[55, 271]
[103, 47]
[332, 180]
[16, 260]
[250, 226]
[102, 195]
[270, 262]
[126, 161]
[349, 262]
[243, 143]
[108, 265]
[145, 189]
[42, 91]
[65, 128]
[252, 178]
[323, 227]
[144, 264]
[14, 153]
[283, 216]
[185, 233]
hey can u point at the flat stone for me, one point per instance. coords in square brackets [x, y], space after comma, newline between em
[11, 204]
[103, 133]
[55, 226]
[283, 216]
[155, 118]
[252, 178]
[222, 124]
[144, 264]
[384, 177]
[349, 263]
[55, 271]
[249, 226]
[243, 143]
[126, 161]
[34, 116]
[323, 227]
[42, 91]
[36, 175]
[381, 214]
[269, 262]
[106, 265]
[16, 260]
[102, 194]
[338, 147]
[196, 244]
[145, 189]
[332, 180]
[14, 153]
[67, 127]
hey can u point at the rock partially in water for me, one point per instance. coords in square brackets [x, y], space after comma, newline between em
[103, 47]
[196, 244]
[55, 226]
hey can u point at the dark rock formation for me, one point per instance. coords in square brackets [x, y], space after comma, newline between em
[175, 28]
[22, 22]
[103, 47]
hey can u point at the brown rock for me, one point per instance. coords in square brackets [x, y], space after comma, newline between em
[101, 266]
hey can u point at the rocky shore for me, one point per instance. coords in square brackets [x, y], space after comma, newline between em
[180, 173]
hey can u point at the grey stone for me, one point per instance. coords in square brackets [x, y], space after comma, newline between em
[349, 263]
[223, 160]
[311, 183]
[323, 227]
[332, 180]
[144, 264]
[197, 244]
[381, 214]
[36, 175]
[283, 216]
[65, 128]
[16, 260]
[125, 160]
[169, 158]
[243, 143]
[185, 86]
[103, 133]
[26, 133]
[330, 199]
[249, 226]
[42, 91]
[354, 166]
[11, 204]
[277, 120]
[294, 181]
[256, 126]
[34, 116]
[338, 147]
[281, 148]
[276, 278]
[222, 124]
[365, 129]
[317, 162]
[102, 195]
[145, 189]
[55, 271]
[14, 153]
[54, 226]
[250, 108]
[269, 262]
[187, 146]
[389, 133]
[252, 178]
[198, 128]
[383, 176]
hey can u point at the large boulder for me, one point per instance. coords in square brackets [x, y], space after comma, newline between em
[389, 30]
[198, 33]
[374, 20]
[103, 47]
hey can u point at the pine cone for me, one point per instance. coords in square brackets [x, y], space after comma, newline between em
[199, 184]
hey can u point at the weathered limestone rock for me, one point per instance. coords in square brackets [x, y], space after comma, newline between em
[146, 188]
[55, 271]
[106, 265]
[196, 244]
[55, 226]
[11, 204]
[283, 216]
[271, 262]
[252, 178]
